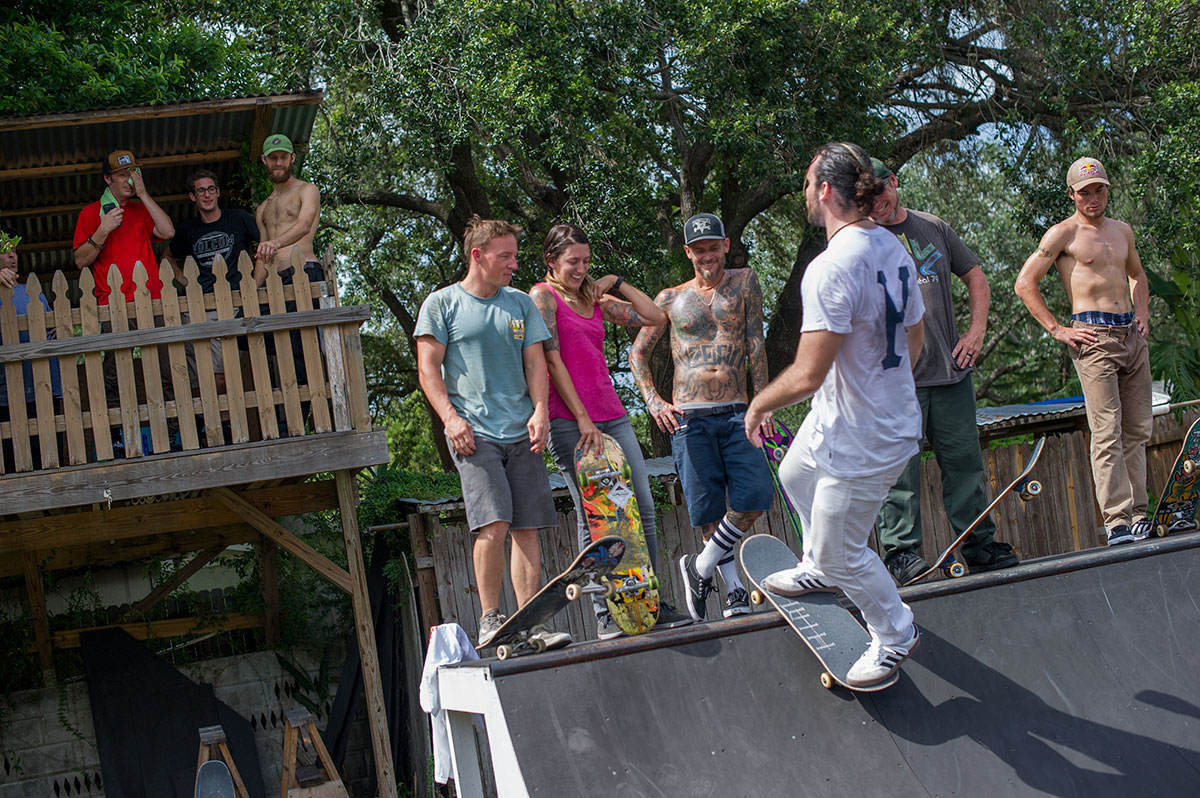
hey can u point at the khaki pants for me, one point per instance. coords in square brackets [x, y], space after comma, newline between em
[1115, 375]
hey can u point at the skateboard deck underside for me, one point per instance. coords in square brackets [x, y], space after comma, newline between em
[599, 559]
[830, 631]
[775, 446]
[213, 780]
[946, 558]
[1176, 509]
[611, 508]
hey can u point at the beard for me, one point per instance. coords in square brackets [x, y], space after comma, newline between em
[275, 177]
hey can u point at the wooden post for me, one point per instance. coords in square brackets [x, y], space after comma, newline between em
[426, 576]
[385, 772]
[268, 565]
[41, 620]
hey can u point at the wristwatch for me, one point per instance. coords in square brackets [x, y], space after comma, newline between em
[617, 284]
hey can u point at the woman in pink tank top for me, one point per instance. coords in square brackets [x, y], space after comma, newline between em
[583, 402]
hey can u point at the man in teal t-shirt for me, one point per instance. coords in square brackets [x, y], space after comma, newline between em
[482, 368]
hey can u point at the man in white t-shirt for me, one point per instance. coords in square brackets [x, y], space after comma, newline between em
[862, 331]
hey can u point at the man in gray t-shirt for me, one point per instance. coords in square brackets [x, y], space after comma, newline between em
[945, 391]
[481, 365]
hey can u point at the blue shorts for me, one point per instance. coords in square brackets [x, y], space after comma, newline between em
[713, 457]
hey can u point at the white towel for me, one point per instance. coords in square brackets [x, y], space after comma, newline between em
[448, 643]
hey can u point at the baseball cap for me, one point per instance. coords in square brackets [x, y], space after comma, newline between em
[118, 160]
[702, 227]
[880, 169]
[1086, 171]
[276, 143]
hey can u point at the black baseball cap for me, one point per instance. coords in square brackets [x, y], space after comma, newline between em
[703, 227]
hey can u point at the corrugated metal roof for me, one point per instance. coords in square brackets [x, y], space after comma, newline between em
[44, 207]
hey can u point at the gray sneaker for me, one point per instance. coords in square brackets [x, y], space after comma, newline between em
[669, 617]
[489, 624]
[606, 627]
[551, 638]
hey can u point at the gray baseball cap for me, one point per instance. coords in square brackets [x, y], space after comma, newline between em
[702, 227]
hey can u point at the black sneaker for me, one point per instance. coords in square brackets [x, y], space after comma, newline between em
[1120, 534]
[906, 564]
[736, 603]
[669, 617]
[489, 624]
[697, 589]
[993, 556]
[606, 627]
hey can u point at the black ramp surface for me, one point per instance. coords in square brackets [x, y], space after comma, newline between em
[1085, 683]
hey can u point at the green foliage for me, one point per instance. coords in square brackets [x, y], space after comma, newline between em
[72, 55]
[1176, 356]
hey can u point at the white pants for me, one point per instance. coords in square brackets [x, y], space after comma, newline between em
[836, 514]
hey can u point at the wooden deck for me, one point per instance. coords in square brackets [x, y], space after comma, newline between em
[119, 444]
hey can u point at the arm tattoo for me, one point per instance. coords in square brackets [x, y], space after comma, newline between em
[639, 355]
[756, 354]
[1045, 253]
[546, 305]
[623, 314]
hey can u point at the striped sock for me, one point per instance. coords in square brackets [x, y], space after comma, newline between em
[718, 547]
[729, 573]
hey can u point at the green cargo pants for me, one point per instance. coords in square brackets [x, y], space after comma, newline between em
[948, 421]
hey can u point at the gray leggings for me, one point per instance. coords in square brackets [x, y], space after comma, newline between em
[564, 435]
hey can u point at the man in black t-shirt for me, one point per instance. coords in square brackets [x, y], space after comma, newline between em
[227, 233]
[945, 391]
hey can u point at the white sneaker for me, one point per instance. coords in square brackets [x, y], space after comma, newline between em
[880, 661]
[798, 581]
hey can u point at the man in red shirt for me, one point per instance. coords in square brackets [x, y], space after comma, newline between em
[117, 230]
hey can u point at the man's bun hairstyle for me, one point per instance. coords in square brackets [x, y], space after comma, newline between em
[848, 169]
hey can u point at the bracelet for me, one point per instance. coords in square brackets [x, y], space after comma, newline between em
[617, 284]
[93, 243]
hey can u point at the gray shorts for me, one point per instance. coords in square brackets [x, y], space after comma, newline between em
[505, 482]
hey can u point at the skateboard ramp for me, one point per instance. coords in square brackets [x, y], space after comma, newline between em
[1076, 676]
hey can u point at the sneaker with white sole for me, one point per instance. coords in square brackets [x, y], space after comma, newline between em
[606, 627]
[1141, 529]
[696, 588]
[797, 581]
[489, 624]
[880, 661]
[1120, 534]
[551, 638]
[737, 602]
[669, 617]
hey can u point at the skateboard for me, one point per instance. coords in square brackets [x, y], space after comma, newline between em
[587, 574]
[835, 637]
[213, 780]
[1025, 487]
[1176, 510]
[775, 446]
[611, 508]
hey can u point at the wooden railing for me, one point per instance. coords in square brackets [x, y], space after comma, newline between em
[127, 390]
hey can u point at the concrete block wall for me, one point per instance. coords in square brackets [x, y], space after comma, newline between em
[43, 757]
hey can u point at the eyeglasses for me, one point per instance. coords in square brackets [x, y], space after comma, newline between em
[202, 190]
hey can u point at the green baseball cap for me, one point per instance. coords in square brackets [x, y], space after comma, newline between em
[276, 143]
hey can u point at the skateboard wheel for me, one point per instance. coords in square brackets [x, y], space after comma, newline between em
[503, 652]
[654, 582]
[1189, 466]
[626, 471]
[610, 588]
[573, 592]
[757, 598]
[1031, 489]
[582, 479]
[1161, 530]
[539, 645]
[827, 680]
[955, 570]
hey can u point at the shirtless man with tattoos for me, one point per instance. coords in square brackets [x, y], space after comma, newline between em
[716, 327]
[288, 218]
[1109, 296]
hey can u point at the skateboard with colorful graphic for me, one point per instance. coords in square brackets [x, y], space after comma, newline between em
[213, 780]
[589, 573]
[1176, 510]
[835, 637]
[1025, 487]
[774, 447]
[611, 508]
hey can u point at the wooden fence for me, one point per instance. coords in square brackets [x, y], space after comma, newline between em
[129, 387]
[1064, 518]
